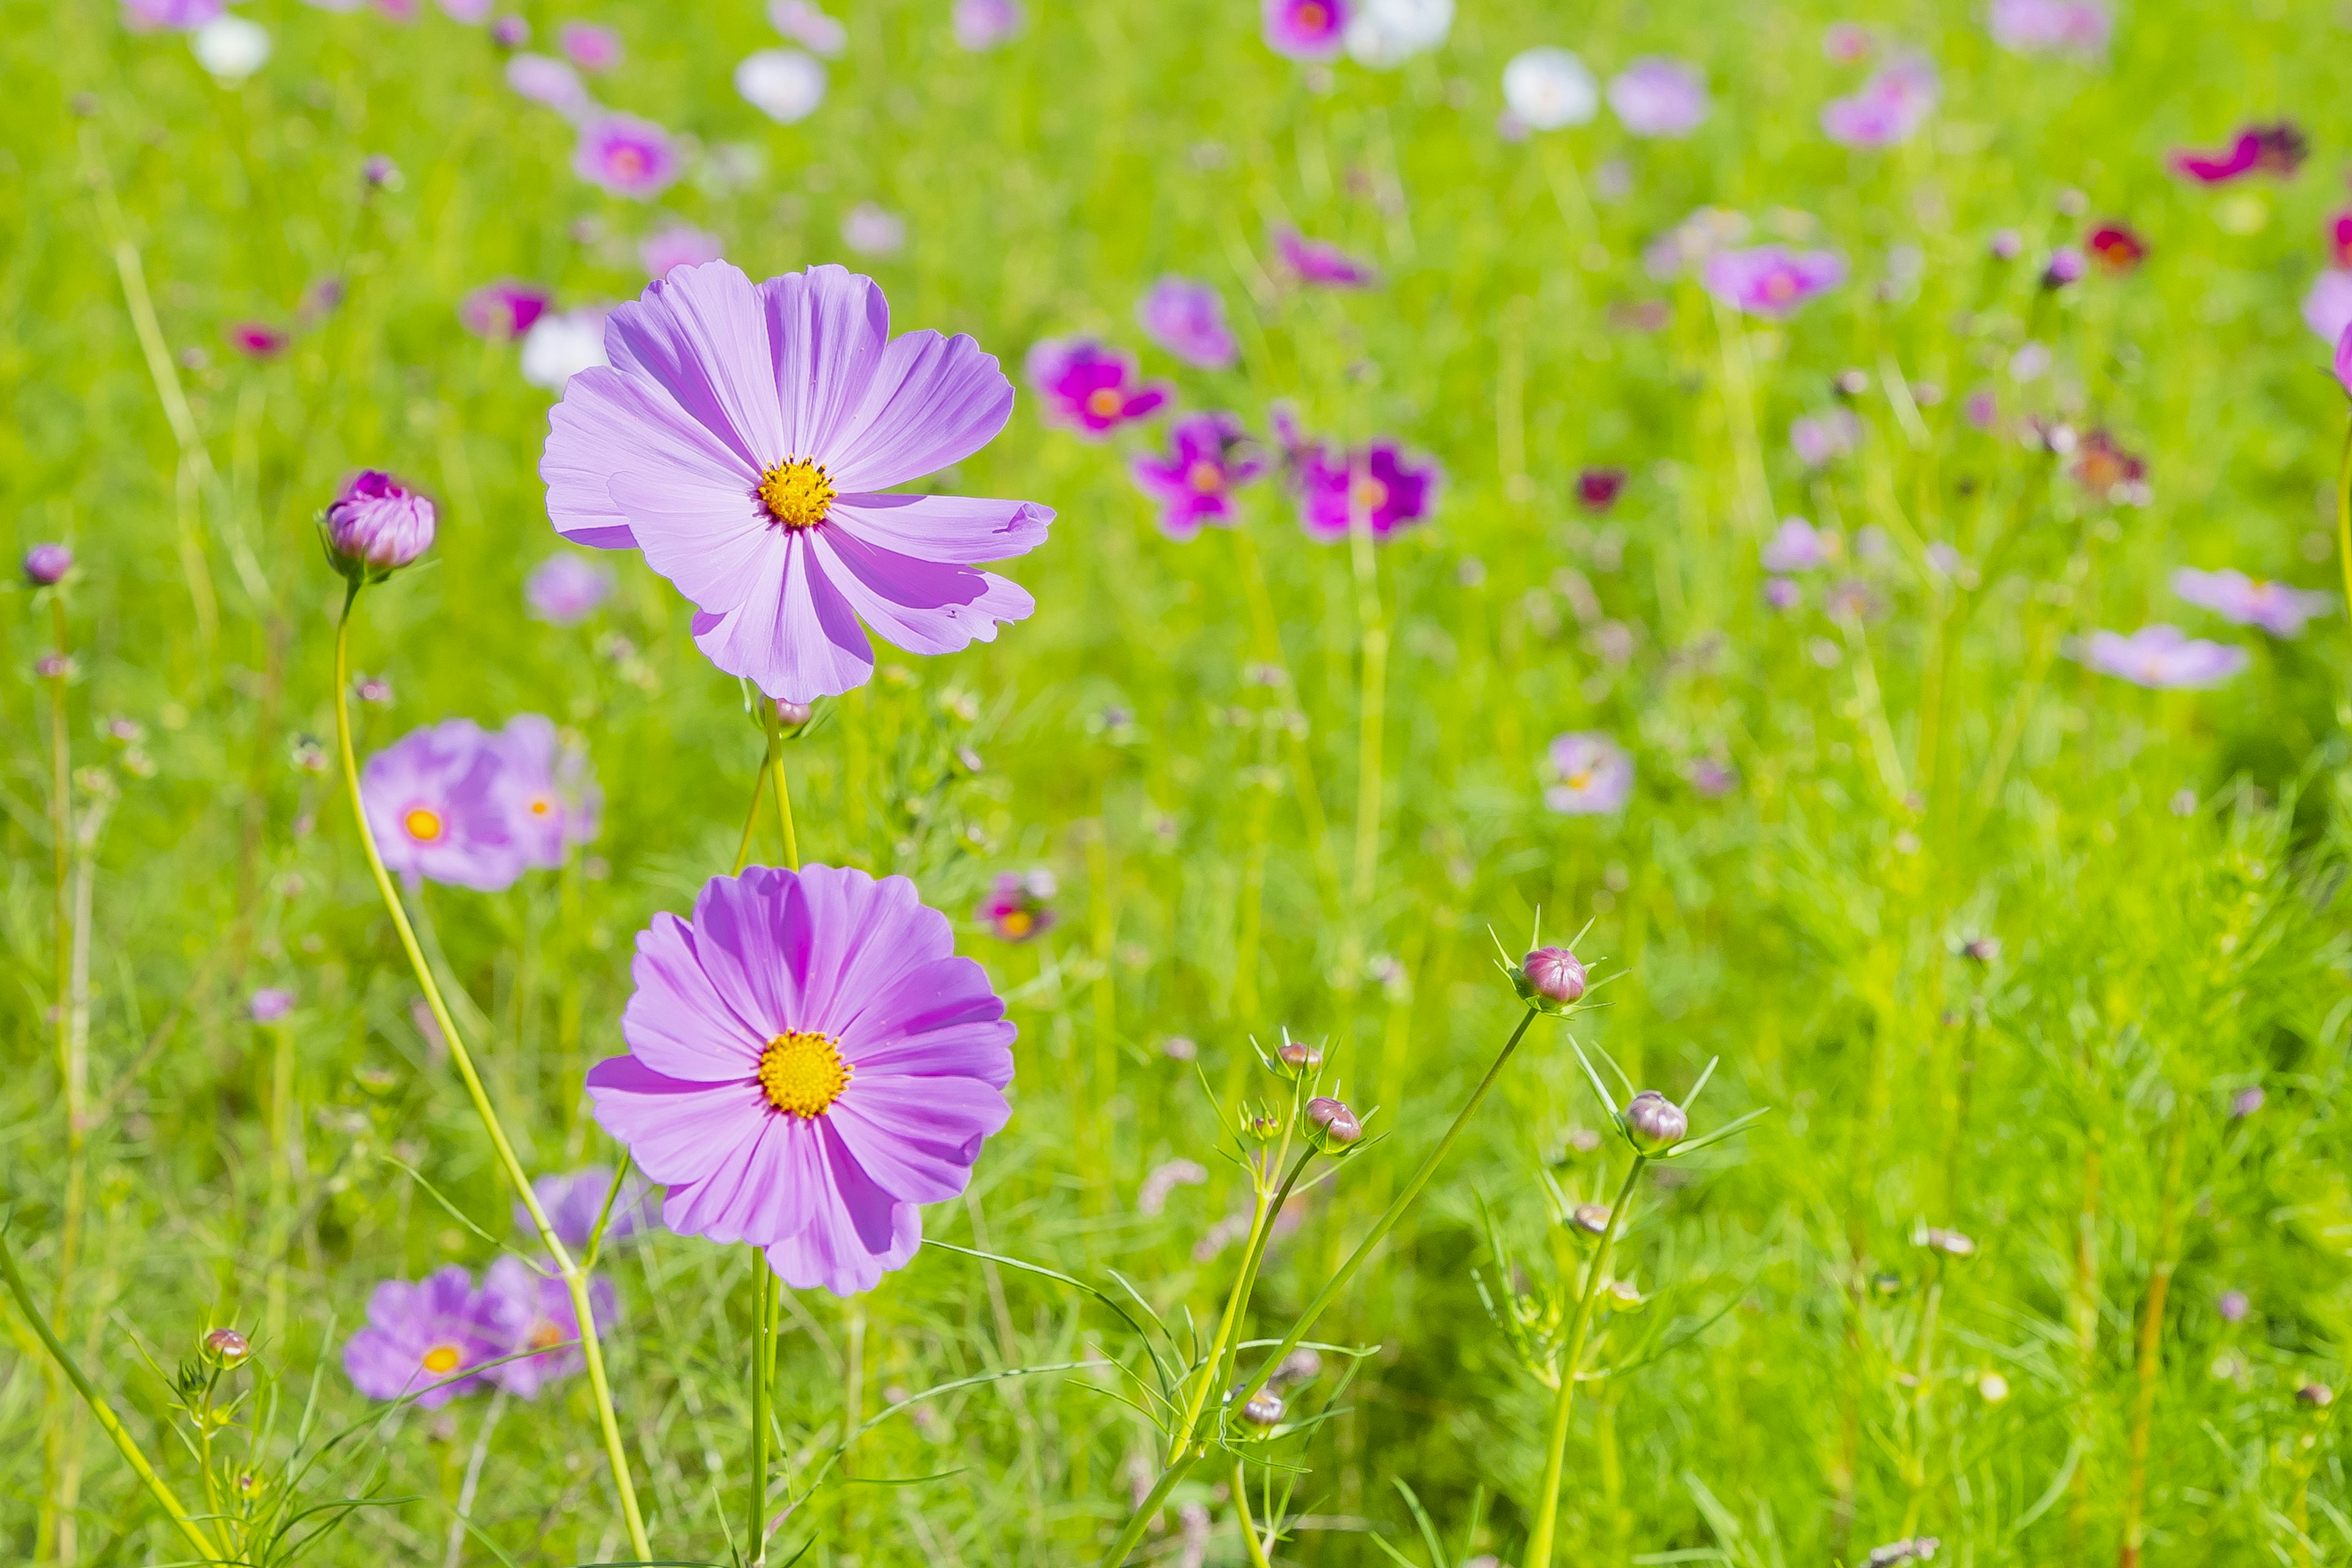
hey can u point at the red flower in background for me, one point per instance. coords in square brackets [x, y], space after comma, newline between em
[2115, 248]
[2339, 238]
[1597, 489]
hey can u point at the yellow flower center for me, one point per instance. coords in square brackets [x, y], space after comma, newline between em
[1779, 287]
[1368, 493]
[803, 1073]
[441, 1359]
[544, 1335]
[1103, 401]
[796, 492]
[1016, 922]
[541, 805]
[1205, 477]
[424, 824]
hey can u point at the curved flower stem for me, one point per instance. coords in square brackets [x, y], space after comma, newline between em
[156, 1486]
[2343, 516]
[1132, 1532]
[1250, 1543]
[575, 1278]
[1571, 1365]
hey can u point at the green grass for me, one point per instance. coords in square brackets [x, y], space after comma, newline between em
[1947, 773]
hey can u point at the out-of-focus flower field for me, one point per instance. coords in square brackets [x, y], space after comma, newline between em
[1624, 844]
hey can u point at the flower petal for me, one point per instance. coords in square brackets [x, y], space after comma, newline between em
[678, 1022]
[895, 934]
[608, 424]
[678, 1131]
[761, 1190]
[932, 401]
[826, 331]
[943, 528]
[742, 945]
[857, 1232]
[923, 607]
[792, 633]
[698, 335]
[917, 1137]
[712, 539]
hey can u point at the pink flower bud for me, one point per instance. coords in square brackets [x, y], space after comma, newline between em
[1335, 1122]
[227, 1346]
[378, 525]
[792, 714]
[47, 564]
[1654, 1122]
[1555, 975]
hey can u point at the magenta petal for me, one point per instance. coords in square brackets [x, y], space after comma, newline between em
[793, 633]
[825, 331]
[698, 335]
[944, 528]
[676, 1130]
[676, 1021]
[923, 607]
[932, 402]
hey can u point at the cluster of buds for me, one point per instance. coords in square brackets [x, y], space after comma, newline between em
[375, 526]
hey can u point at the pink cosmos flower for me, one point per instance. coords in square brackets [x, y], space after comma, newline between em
[257, 340]
[2341, 363]
[870, 228]
[2051, 27]
[434, 804]
[807, 25]
[679, 245]
[1821, 439]
[744, 438]
[573, 1202]
[1379, 484]
[808, 1061]
[1845, 43]
[2104, 468]
[1798, 546]
[1594, 776]
[175, 15]
[1305, 30]
[1208, 457]
[2115, 248]
[530, 1311]
[2163, 657]
[2328, 307]
[984, 24]
[1188, 320]
[588, 45]
[2276, 608]
[505, 309]
[627, 156]
[1314, 261]
[422, 1334]
[375, 524]
[564, 589]
[470, 12]
[1088, 387]
[269, 1004]
[542, 78]
[1772, 280]
[1893, 104]
[1018, 906]
[1654, 96]
[2277, 150]
[545, 789]
[2339, 238]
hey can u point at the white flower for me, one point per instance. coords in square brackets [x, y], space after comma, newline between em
[559, 346]
[873, 230]
[231, 48]
[1387, 33]
[1550, 88]
[783, 84]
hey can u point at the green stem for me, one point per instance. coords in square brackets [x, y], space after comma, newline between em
[1269, 1205]
[1372, 714]
[763, 1290]
[1571, 1367]
[575, 1278]
[1250, 1543]
[98, 1408]
[759, 791]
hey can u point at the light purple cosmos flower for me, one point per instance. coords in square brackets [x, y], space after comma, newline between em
[1089, 387]
[807, 25]
[572, 1202]
[1208, 457]
[473, 12]
[542, 78]
[1188, 320]
[564, 588]
[418, 1336]
[270, 1004]
[1594, 776]
[1798, 546]
[545, 789]
[505, 309]
[436, 807]
[1019, 905]
[1655, 95]
[626, 155]
[2276, 608]
[2051, 27]
[2245, 1102]
[588, 45]
[530, 1311]
[2328, 307]
[1782, 594]
[510, 32]
[376, 525]
[2234, 1306]
[1305, 30]
[744, 438]
[1772, 280]
[175, 15]
[808, 1061]
[2163, 656]
[679, 245]
[1821, 439]
[1893, 104]
[1711, 778]
[1379, 484]
[984, 24]
[1314, 261]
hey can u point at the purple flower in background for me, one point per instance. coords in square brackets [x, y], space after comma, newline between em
[1305, 30]
[1019, 905]
[178, 16]
[375, 524]
[626, 155]
[1888, 107]
[2050, 26]
[808, 1061]
[1821, 439]
[2278, 149]
[1772, 280]
[984, 24]
[2276, 608]
[1782, 594]
[2245, 1102]
[505, 309]
[1798, 546]
[510, 32]
[270, 1004]
[808, 25]
[1597, 489]
[2163, 657]
[564, 588]
[1188, 320]
[1712, 780]
[529, 1311]
[1207, 456]
[1594, 776]
[1845, 43]
[679, 245]
[870, 228]
[765, 504]
[379, 173]
[588, 45]
[2328, 307]
[1654, 96]
[1379, 484]
[542, 78]
[257, 340]
[572, 1202]
[422, 1334]
[544, 818]
[435, 808]
[2234, 1306]
[46, 565]
[1088, 387]
[2067, 264]
[1314, 261]
[471, 12]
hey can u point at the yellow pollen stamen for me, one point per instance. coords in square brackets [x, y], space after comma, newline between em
[803, 1073]
[424, 824]
[541, 805]
[1579, 780]
[441, 1359]
[796, 492]
[545, 1335]
[1369, 494]
[1016, 922]
[1205, 477]
[1105, 401]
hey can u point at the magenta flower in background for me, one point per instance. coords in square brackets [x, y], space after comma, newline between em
[1597, 489]
[1593, 775]
[744, 438]
[505, 309]
[544, 79]
[1655, 95]
[1712, 780]
[2339, 238]
[626, 155]
[572, 1204]
[808, 1061]
[2162, 656]
[1305, 30]
[2276, 608]
[563, 589]
[2342, 362]
[984, 24]
[270, 1004]
[471, 12]
[1845, 43]
[1314, 261]
[1379, 484]
[2051, 27]
[1798, 546]
[2277, 150]
[1772, 280]
[2327, 306]
[1188, 320]
[375, 524]
[177, 15]
[419, 1335]
[529, 1311]
[434, 804]
[1019, 905]
[396, 10]
[1208, 457]
[588, 45]
[1888, 107]
[807, 25]
[544, 818]
[510, 32]
[257, 340]
[1089, 387]
[679, 245]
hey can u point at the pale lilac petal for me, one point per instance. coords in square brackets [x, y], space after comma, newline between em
[923, 607]
[917, 1137]
[678, 1022]
[608, 425]
[678, 1131]
[792, 633]
[699, 335]
[743, 948]
[759, 1191]
[933, 401]
[956, 528]
[827, 327]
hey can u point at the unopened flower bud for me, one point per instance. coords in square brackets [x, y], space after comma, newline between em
[379, 173]
[53, 667]
[227, 1347]
[377, 525]
[1654, 1122]
[1334, 1120]
[1588, 1221]
[1297, 1057]
[46, 565]
[1263, 1408]
[2008, 245]
[510, 32]
[792, 715]
[1851, 383]
[1981, 949]
[1951, 1243]
[1552, 978]
[2315, 1396]
[1261, 1126]
[2066, 266]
